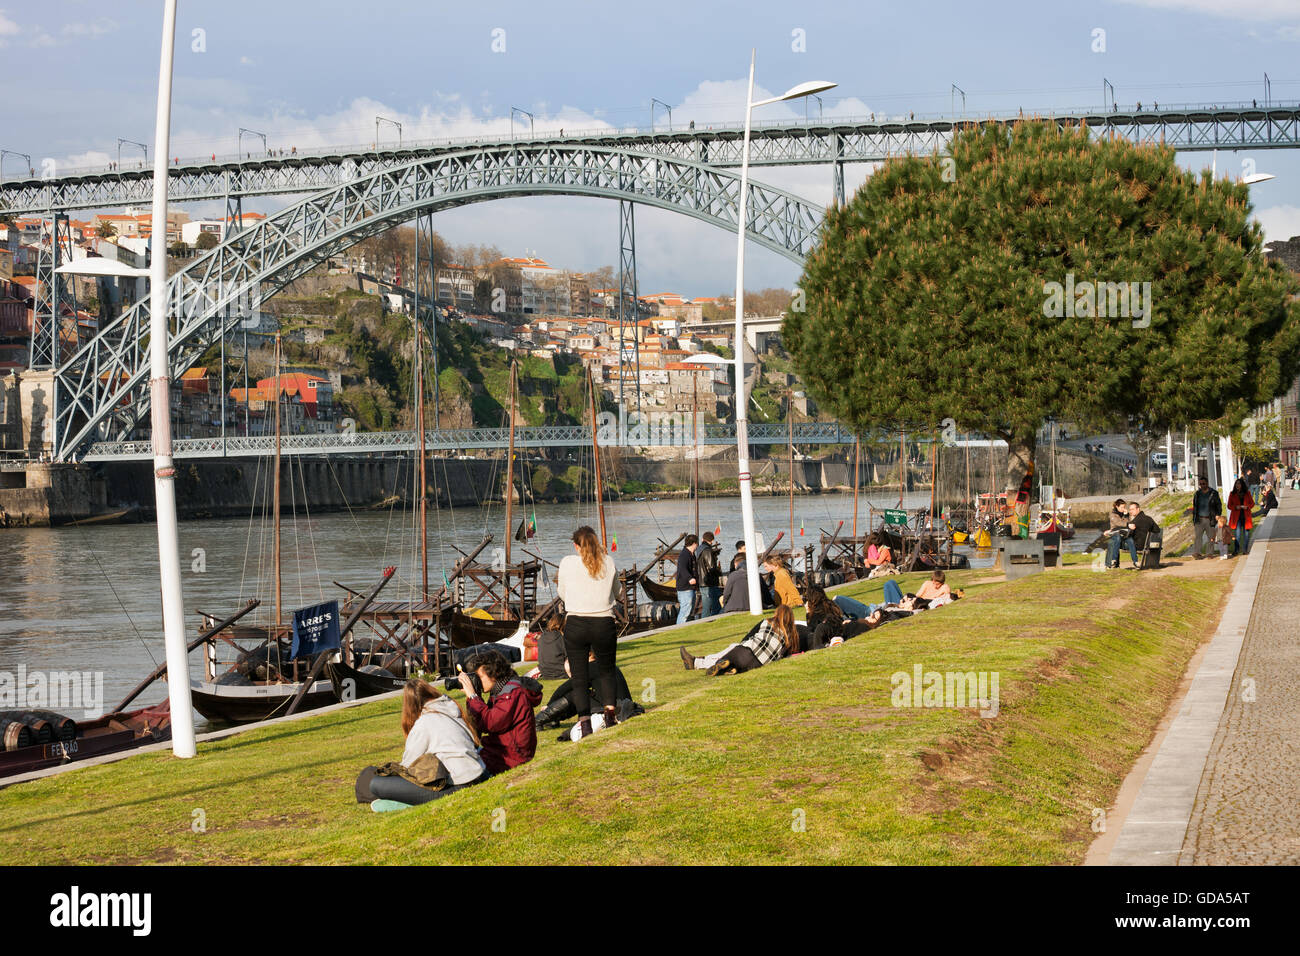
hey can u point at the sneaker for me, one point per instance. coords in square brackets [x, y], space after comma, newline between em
[688, 659]
[836, 641]
[1223, 557]
[385, 806]
[587, 726]
[719, 668]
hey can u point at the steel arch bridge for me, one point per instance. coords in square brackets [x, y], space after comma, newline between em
[101, 392]
[831, 142]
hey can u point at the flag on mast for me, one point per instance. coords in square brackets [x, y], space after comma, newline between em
[613, 545]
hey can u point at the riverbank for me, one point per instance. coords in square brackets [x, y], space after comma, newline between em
[806, 760]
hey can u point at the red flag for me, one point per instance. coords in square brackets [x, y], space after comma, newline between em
[717, 532]
[613, 545]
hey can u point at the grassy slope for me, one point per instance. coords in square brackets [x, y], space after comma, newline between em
[717, 769]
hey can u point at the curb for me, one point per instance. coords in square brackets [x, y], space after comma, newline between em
[1156, 826]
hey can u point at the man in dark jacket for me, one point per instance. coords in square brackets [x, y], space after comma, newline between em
[1140, 527]
[1205, 508]
[505, 725]
[687, 582]
[710, 576]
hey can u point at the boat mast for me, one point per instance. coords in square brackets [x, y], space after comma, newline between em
[276, 499]
[902, 454]
[595, 460]
[510, 472]
[789, 407]
[857, 461]
[934, 475]
[424, 485]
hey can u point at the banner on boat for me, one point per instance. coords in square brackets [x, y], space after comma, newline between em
[316, 629]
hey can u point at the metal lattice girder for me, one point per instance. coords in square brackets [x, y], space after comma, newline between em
[102, 390]
[52, 293]
[627, 297]
[673, 431]
[815, 141]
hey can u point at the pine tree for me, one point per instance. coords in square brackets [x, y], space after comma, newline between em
[930, 295]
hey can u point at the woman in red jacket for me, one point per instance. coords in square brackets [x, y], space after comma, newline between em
[1240, 505]
[505, 723]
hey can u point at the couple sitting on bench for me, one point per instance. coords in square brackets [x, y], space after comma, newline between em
[1132, 530]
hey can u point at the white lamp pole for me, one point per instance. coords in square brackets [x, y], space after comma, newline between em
[741, 397]
[164, 481]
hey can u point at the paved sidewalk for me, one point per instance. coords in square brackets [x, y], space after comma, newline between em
[1248, 804]
[1158, 824]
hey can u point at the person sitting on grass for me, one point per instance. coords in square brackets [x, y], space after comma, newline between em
[562, 706]
[935, 589]
[767, 641]
[783, 586]
[505, 722]
[433, 724]
[825, 619]
[879, 555]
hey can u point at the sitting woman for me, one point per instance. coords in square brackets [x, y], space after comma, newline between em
[432, 724]
[935, 589]
[825, 620]
[783, 586]
[767, 641]
[550, 648]
[878, 553]
[563, 703]
[505, 722]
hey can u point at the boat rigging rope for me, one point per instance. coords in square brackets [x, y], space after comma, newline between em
[94, 554]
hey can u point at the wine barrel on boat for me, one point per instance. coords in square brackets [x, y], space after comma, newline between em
[42, 732]
[15, 733]
[61, 727]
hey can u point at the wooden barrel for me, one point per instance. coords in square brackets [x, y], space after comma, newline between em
[42, 730]
[63, 728]
[15, 733]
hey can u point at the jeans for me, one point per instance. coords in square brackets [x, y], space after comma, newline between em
[583, 635]
[712, 601]
[1118, 543]
[856, 609]
[685, 605]
[1241, 535]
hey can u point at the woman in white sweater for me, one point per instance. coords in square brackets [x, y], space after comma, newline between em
[433, 724]
[588, 582]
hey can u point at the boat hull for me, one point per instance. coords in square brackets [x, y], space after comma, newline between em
[105, 735]
[245, 703]
[466, 631]
[363, 684]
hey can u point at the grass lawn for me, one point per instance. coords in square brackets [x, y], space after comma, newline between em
[803, 761]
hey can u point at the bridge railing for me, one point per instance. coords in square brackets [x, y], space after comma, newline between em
[291, 152]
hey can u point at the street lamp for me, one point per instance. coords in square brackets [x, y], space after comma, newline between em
[385, 119]
[653, 101]
[742, 424]
[10, 152]
[129, 142]
[513, 111]
[239, 140]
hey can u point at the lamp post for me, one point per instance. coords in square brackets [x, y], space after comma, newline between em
[10, 152]
[742, 423]
[385, 119]
[129, 142]
[239, 140]
[513, 111]
[653, 102]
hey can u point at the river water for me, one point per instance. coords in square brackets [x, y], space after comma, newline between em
[86, 599]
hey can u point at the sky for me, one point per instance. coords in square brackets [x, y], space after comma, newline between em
[83, 74]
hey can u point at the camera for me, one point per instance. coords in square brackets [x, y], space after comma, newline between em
[453, 683]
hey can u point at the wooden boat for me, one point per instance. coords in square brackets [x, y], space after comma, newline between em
[1055, 521]
[107, 517]
[351, 683]
[466, 630]
[239, 703]
[659, 590]
[122, 730]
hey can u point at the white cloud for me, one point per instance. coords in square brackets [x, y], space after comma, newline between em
[246, 61]
[96, 28]
[7, 27]
[1236, 9]
[1279, 222]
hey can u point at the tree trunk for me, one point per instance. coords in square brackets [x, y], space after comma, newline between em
[1020, 474]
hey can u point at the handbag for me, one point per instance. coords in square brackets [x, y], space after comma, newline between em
[427, 771]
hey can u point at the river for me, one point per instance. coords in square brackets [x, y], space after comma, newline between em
[86, 599]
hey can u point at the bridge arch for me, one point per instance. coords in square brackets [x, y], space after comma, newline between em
[102, 390]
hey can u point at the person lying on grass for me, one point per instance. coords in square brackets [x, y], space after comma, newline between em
[563, 704]
[767, 641]
[441, 754]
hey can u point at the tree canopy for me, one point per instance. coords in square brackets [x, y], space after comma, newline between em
[1004, 283]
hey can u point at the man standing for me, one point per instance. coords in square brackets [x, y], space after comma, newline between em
[1205, 508]
[710, 576]
[687, 583]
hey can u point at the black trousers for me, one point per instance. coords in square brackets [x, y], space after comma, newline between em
[403, 790]
[583, 635]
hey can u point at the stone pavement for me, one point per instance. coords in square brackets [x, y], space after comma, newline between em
[1248, 804]
[1224, 786]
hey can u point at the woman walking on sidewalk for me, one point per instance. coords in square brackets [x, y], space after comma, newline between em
[1240, 505]
[587, 582]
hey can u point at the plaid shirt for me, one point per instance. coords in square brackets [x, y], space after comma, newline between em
[766, 643]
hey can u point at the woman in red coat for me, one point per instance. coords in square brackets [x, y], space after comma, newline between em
[1240, 505]
[505, 724]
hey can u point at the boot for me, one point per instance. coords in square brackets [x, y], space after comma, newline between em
[555, 713]
[584, 730]
[611, 716]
